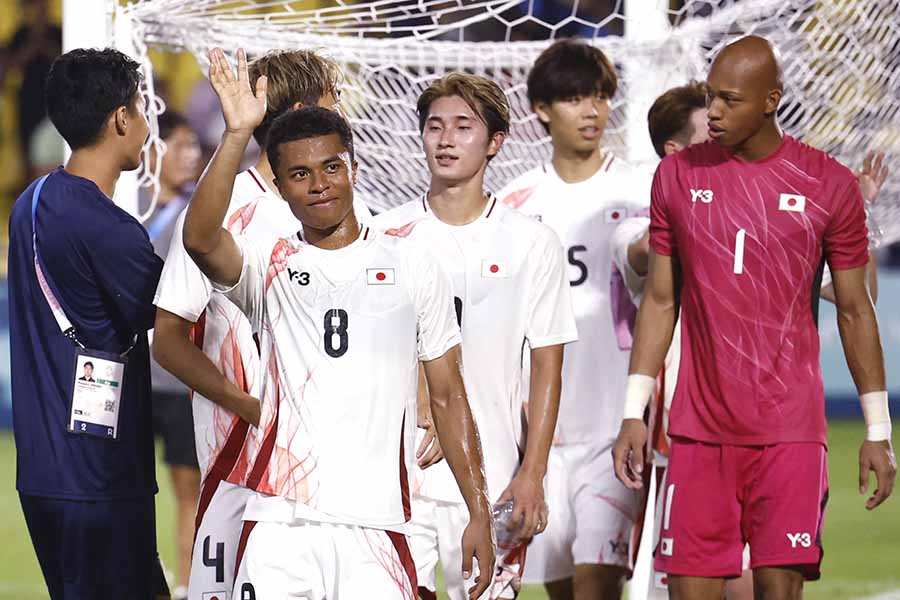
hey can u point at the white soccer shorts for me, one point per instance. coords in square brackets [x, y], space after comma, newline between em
[436, 530]
[591, 515]
[319, 561]
[216, 541]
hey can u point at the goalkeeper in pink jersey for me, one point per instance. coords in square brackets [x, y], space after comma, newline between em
[749, 218]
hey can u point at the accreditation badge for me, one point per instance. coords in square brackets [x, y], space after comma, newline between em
[97, 393]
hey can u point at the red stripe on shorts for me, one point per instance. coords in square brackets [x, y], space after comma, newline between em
[406, 559]
[242, 545]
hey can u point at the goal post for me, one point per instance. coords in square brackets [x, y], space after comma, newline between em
[841, 57]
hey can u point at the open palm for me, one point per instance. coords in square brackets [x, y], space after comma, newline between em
[872, 176]
[243, 109]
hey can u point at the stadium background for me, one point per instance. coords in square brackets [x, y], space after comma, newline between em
[862, 549]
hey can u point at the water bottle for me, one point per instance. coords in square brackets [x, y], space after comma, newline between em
[506, 530]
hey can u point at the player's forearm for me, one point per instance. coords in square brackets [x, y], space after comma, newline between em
[209, 202]
[862, 345]
[458, 437]
[175, 352]
[654, 327]
[543, 408]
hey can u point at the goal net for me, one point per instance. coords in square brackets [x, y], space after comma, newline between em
[841, 59]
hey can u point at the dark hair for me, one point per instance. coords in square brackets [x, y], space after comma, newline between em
[169, 121]
[570, 68]
[292, 76]
[483, 96]
[307, 122]
[84, 86]
[88, 364]
[670, 116]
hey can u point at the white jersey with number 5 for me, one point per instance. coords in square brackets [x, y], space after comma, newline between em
[342, 332]
[584, 216]
[509, 281]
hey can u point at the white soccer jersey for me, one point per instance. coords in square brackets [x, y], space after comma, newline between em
[584, 216]
[221, 330]
[509, 287]
[342, 332]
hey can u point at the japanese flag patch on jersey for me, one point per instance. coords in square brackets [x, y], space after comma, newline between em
[614, 215]
[215, 596]
[380, 277]
[792, 203]
[494, 268]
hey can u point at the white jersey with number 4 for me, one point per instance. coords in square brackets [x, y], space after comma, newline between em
[584, 216]
[342, 332]
[509, 282]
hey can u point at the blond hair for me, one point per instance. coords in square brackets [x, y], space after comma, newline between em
[293, 76]
[482, 95]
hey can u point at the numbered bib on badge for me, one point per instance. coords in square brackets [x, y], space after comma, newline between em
[97, 394]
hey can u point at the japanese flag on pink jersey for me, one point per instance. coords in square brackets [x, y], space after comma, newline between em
[749, 371]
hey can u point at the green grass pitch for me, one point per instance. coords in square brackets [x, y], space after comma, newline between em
[862, 549]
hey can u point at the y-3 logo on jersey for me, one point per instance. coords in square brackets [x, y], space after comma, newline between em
[704, 196]
[301, 277]
[804, 539]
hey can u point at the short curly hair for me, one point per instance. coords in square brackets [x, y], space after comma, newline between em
[307, 122]
[83, 87]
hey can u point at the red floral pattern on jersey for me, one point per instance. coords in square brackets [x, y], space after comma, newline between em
[240, 219]
[278, 260]
[404, 230]
[519, 197]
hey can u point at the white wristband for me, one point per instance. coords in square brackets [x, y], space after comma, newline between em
[877, 416]
[637, 395]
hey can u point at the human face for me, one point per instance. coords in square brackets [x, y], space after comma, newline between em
[88, 371]
[699, 127]
[456, 141]
[737, 104]
[576, 124]
[182, 157]
[136, 131]
[316, 179]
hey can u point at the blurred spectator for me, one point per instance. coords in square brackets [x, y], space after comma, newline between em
[172, 417]
[30, 52]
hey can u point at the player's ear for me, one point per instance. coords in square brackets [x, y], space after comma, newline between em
[354, 172]
[671, 147]
[120, 120]
[496, 143]
[542, 110]
[772, 101]
[297, 106]
[277, 187]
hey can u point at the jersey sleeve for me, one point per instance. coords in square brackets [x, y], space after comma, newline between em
[846, 237]
[183, 288]
[662, 236]
[128, 270]
[438, 330]
[626, 233]
[248, 294]
[551, 319]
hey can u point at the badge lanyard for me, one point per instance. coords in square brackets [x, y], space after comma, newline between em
[99, 376]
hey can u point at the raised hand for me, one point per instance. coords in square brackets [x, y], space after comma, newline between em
[243, 109]
[872, 176]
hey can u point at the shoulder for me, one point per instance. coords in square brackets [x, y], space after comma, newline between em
[818, 164]
[400, 221]
[525, 226]
[519, 190]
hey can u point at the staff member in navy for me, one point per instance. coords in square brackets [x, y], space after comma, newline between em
[82, 275]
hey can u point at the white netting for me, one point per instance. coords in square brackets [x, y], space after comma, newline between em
[842, 67]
